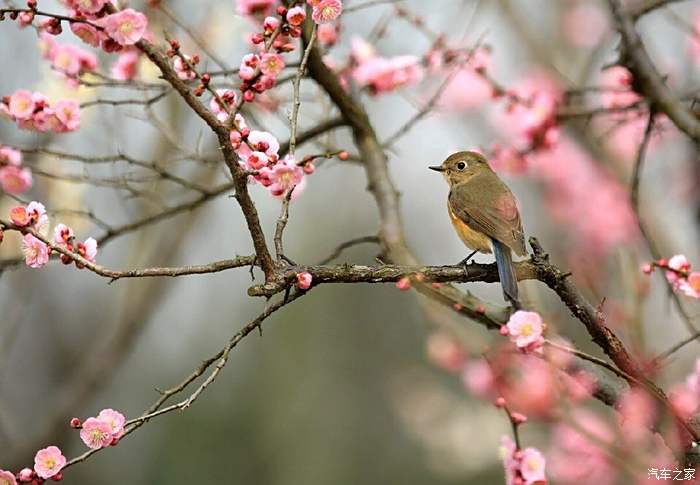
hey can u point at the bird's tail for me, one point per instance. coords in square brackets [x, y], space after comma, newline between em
[506, 272]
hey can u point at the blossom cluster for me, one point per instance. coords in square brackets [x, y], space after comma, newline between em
[67, 59]
[96, 27]
[678, 273]
[34, 111]
[381, 74]
[104, 430]
[37, 252]
[522, 467]
[14, 178]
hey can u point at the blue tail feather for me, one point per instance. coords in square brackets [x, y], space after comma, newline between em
[506, 272]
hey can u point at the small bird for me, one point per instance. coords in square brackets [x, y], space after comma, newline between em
[484, 212]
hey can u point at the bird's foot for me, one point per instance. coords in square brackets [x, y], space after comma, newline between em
[465, 261]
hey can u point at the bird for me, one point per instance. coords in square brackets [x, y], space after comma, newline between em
[485, 215]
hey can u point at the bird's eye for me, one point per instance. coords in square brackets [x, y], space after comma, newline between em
[461, 166]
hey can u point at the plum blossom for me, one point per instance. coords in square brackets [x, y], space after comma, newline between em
[48, 462]
[33, 111]
[327, 34]
[63, 236]
[87, 33]
[468, 88]
[478, 378]
[115, 420]
[21, 105]
[7, 478]
[96, 433]
[37, 215]
[126, 27]
[127, 66]
[691, 285]
[14, 179]
[522, 467]
[325, 11]
[68, 113]
[88, 6]
[36, 253]
[88, 249]
[285, 175]
[585, 445]
[382, 74]
[445, 352]
[304, 280]
[680, 265]
[183, 69]
[255, 7]
[271, 64]
[10, 156]
[229, 98]
[25, 475]
[67, 59]
[247, 69]
[525, 330]
[296, 15]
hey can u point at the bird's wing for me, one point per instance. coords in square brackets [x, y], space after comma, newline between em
[486, 204]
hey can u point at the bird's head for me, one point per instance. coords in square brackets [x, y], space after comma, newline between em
[461, 166]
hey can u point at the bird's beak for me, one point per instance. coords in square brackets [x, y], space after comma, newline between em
[437, 168]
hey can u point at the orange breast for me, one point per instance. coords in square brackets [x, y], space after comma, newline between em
[471, 238]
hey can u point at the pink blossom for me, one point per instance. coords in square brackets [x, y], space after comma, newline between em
[403, 284]
[270, 25]
[691, 285]
[126, 67]
[255, 7]
[229, 98]
[36, 253]
[601, 219]
[510, 464]
[383, 75]
[88, 6]
[19, 216]
[126, 27]
[680, 264]
[87, 33]
[578, 455]
[618, 93]
[507, 160]
[7, 478]
[247, 69]
[445, 352]
[15, 180]
[525, 330]
[585, 24]
[684, 400]
[183, 69]
[304, 280]
[25, 475]
[10, 156]
[96, 433]
[63, 235]
[49, 462]
[327, 34]
[283, 176]
[325, 11]
[68, 113]
[532, 464]
[637, 413]
[88, 249]
[296, 15]
[70, 59]
[21, 105]
[478, 378]
[115, 420]
[264, 142]
[37, 215]
[271, 64]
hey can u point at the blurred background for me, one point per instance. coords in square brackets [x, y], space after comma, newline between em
[339, 388]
